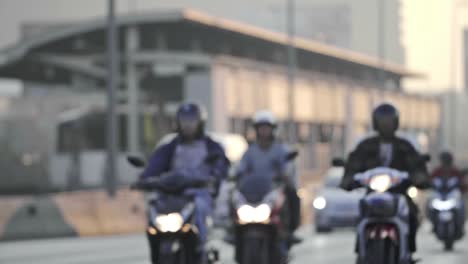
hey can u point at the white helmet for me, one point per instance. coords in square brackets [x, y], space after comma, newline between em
[264, 117]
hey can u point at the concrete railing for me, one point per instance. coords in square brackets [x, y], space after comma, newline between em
[86, 213]
[83, 213]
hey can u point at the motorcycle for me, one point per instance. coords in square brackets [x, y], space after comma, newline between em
[259, 226]
[172, 232]
[446, 211]
[383, 229]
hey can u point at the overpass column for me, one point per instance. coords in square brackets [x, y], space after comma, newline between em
[133, 124]
[349, 119]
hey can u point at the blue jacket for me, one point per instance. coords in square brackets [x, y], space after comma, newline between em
[161, 160]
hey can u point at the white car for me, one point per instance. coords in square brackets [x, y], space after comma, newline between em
[335, 207]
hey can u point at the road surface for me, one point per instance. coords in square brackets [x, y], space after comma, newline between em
[330, 248]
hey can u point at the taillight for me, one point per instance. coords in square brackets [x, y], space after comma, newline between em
[382, 232]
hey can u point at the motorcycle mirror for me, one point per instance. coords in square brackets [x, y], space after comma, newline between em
[136, 161]
[338, 162]
[292, 155]
[426, 157]
[464, 172]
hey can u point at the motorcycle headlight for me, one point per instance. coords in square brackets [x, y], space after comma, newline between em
[319, 203]
[413, 192]
[245, 213]
[169, 223]
[249, 214]
[443, 205]
[380, 183]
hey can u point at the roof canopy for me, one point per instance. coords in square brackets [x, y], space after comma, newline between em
[216, 36]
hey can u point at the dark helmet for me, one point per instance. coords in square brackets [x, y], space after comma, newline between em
[446, 158]
[386, 120]
[191, 112]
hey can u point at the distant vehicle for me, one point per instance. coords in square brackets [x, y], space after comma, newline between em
[334, 207]
[445, 211]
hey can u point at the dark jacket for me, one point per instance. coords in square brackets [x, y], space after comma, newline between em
[161, 160]
[405, 158]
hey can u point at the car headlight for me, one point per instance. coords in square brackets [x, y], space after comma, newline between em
[169, 223]
[413, 192]
[443, 205]
[380, 183]
[250, 214]
[319, 203]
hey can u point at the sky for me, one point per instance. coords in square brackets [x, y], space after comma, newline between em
[428, 41]
[425, 25]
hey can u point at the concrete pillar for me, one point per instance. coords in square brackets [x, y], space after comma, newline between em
[220, 109]
[198, 87]
[133, 126]
[207, 89]
[349, 119]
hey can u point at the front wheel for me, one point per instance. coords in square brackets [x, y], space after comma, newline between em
[448, 245]
[382, 251]
[175, 252]
[322, 229]
[167, 258]
[359, 260]
[255, 251]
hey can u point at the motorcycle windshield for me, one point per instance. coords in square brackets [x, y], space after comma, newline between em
[255, 187]
[445, 186]
[167, 204]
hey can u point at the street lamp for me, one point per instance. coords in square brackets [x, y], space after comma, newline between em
[112, 53]
[454, 32]
[453, 69]
[381, 41]
[291, 51]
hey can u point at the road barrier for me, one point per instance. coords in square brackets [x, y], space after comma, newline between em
[83, 213]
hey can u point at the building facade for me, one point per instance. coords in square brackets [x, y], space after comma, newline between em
[465, 64]
[167, 57]
[344, 23]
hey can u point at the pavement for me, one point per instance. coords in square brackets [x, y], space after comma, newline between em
[335, 247]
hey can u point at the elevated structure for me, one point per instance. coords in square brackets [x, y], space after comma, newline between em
[232, 68]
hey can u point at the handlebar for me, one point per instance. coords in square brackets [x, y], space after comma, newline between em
[147, 185]
[155, 184]
[395, 175]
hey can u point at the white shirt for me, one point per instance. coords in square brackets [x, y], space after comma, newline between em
[386, 154]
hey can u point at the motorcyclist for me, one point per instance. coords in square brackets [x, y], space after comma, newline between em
[388, 150]
[183, 158]
[261, 163]
[448, 169]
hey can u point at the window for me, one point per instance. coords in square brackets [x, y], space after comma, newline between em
[325, 133]
[89, 133]
[303, 132]
[237, 126]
